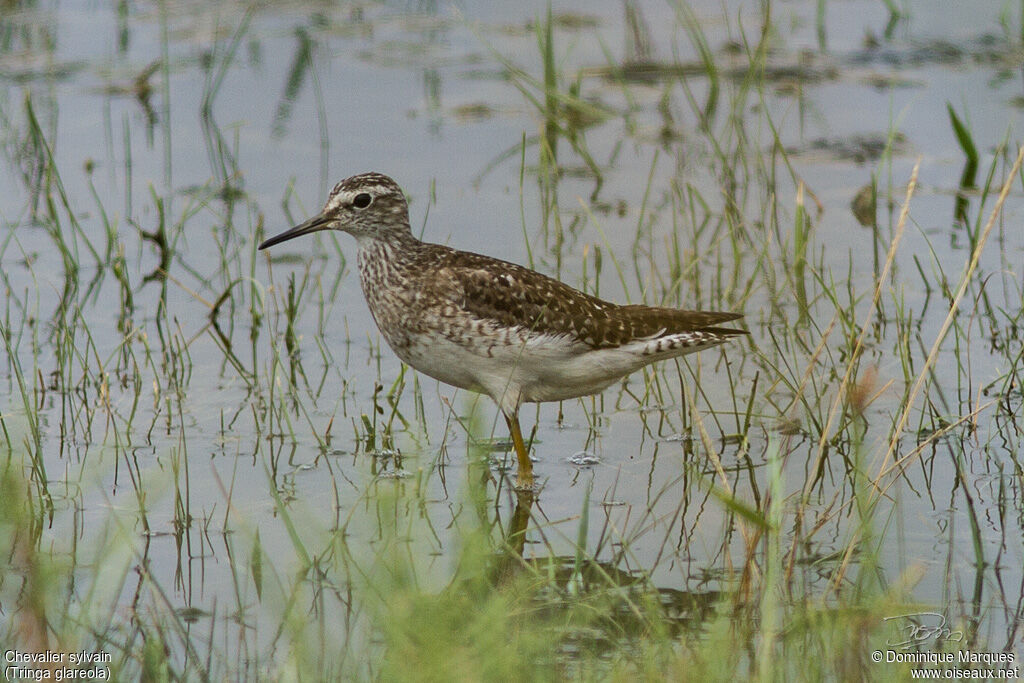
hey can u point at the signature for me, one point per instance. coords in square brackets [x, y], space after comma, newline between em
[922, 626]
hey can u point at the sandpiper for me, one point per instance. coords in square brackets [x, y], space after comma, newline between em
[486, 325]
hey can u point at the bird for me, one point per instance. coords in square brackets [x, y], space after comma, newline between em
[490, 326]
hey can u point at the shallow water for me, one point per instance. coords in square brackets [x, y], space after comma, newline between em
[250, 114]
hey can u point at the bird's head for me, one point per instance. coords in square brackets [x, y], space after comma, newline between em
[368, 206]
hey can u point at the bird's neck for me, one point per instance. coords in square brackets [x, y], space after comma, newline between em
[394, 238]
[381, 259]
[387, 274]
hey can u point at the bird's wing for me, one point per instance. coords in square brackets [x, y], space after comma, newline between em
[515, 296]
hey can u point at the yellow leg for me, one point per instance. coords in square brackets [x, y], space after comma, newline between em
[525, 478]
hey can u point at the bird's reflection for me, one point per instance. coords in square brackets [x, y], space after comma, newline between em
[510, 560]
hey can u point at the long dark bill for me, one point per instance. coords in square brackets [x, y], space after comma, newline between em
[318, 222]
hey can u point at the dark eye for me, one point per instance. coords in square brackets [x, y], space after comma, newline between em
[362, 200]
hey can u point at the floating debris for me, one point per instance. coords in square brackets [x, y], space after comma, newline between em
[394, 474]
[856, 148]
[584, 459]
[679, 438]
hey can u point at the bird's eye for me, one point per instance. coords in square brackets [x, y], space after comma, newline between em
[362, 200]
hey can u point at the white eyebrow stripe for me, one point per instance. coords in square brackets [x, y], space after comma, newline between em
[343, 197]
[375, 190]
